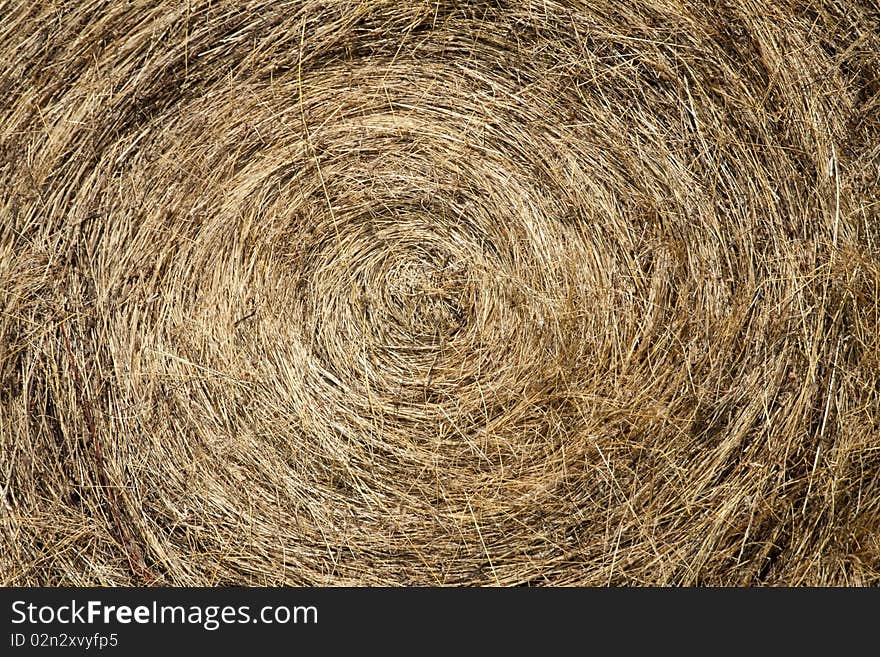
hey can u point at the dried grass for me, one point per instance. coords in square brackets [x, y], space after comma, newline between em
[444, 293]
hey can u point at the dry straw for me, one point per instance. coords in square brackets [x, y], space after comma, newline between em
[443, 293]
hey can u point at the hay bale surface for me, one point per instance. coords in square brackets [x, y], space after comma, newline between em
[444, 293]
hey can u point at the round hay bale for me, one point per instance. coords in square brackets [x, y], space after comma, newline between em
[439, 293]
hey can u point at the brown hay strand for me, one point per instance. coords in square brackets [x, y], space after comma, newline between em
[329, 292]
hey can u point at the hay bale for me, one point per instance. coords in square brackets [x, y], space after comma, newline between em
[331, 292]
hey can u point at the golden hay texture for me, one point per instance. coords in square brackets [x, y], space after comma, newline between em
[337, 292]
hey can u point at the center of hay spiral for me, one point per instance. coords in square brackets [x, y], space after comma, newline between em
[426, 297]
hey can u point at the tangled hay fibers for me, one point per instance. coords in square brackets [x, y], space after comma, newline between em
[355, 293]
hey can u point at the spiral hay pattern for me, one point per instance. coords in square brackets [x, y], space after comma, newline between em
[443, 293]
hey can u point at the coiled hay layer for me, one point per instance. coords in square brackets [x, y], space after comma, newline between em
[331, 292]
